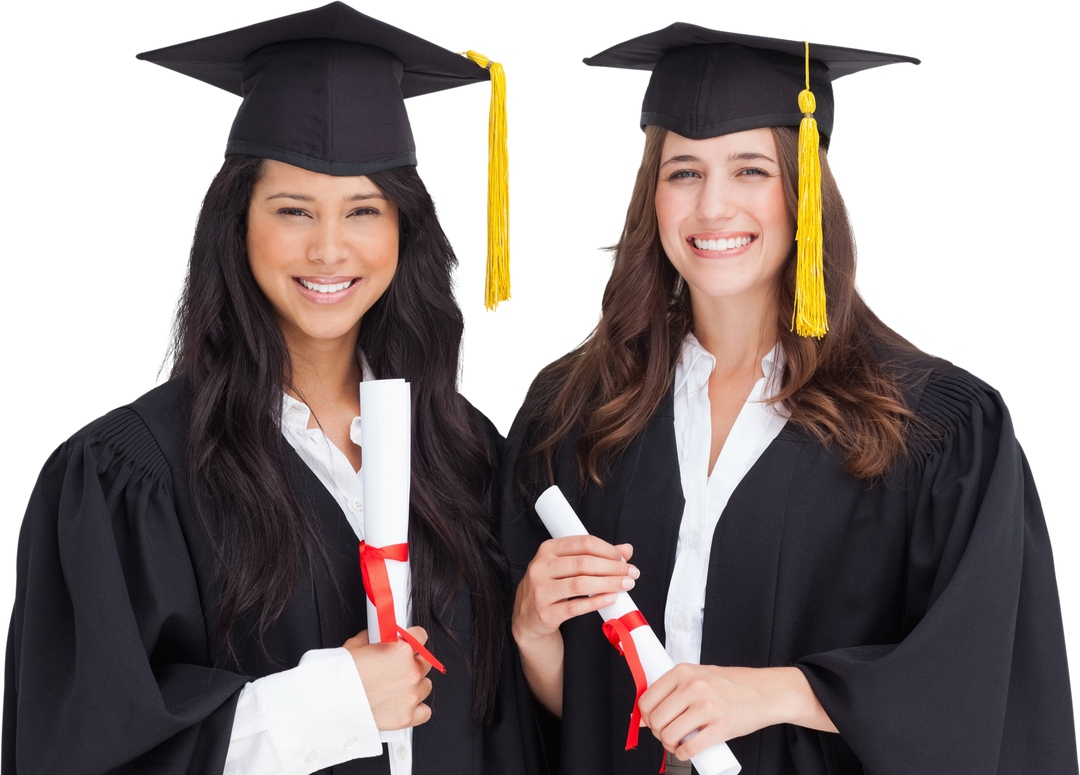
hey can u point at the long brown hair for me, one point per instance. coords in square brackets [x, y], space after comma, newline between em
[835, 387]
[232, 354]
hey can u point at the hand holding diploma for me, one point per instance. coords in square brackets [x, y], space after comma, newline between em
[629, 632]
[385, 433]
[555, 588]
[727, 702]
[395, 680]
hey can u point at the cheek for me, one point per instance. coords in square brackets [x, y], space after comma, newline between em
[390, 253]
[390, 244]
[775, 217]
[665, 210]
[381, 252]
[670, 214]
[388, 268]
[265, 244]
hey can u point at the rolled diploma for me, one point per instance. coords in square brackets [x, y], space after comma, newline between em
[561, 521]
[385, 439]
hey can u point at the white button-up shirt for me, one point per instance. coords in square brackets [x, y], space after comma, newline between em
[317, 714]
[706, 496]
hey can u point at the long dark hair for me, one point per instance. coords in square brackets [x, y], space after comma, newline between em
[230, 350]
[608, 388]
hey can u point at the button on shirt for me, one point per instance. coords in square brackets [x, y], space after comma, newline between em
[317, 714]
[706, 496]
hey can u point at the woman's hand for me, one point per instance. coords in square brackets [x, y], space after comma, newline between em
[568, 577]
[726, 702]
[395, 679]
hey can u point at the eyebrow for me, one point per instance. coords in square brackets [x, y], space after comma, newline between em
[745, 156]
[353, 198]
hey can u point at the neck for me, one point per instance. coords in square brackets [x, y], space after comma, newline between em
[738, 331]
[325, 372]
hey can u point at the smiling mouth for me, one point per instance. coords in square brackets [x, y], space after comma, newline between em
[722, 244]
[331, 288]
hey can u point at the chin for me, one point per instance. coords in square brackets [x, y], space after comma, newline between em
[323, 330]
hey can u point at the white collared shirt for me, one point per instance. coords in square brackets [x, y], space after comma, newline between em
[707, 495]
[317, 714]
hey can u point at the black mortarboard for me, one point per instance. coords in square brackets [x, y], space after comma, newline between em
[707, 83]
[324, 90]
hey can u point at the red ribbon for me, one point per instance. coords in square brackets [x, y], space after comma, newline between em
[377, 585]
[618, 633]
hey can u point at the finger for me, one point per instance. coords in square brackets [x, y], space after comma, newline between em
[551, 617]
[687, 713]
[580, 586]
[568, 566]
[424, 689]
[626, 550]
[656, 693]
[585, 544]
[684, 726]
[693, 744]
[707, 735]
[420, 634]
[421, 715]
[580, 605]
[662, 706]
[425, 666]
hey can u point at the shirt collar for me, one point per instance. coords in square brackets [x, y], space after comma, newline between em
[696, 359]
[295, 414]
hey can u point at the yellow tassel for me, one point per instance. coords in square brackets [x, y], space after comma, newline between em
[808, 318]
[497, 278]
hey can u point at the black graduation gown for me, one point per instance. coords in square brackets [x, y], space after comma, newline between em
[923, 608]
[109, 665]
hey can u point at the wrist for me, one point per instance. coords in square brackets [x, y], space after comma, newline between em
[530, 642]
[796, 702]
[542, 664]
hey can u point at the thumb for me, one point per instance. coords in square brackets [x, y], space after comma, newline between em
[420, 634]
[360, 639]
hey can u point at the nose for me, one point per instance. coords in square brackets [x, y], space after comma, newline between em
[328, 244]
[716, 201]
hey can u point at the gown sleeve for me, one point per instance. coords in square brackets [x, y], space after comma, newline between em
[979, 683]
[108, 650]
[304, 719]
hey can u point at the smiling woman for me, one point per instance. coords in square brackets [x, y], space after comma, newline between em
[835, 535]
[190, 595]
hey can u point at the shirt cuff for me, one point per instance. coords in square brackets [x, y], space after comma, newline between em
[302, 720]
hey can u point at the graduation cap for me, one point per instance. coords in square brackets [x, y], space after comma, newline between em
[706, 83]
[324, 90]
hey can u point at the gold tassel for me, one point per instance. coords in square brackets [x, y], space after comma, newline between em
[808, 318]
[497, 278]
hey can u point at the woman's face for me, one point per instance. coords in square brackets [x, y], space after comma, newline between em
[722, 216]
[322, 248]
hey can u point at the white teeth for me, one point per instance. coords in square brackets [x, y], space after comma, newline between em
[325, 288]
[722, 244]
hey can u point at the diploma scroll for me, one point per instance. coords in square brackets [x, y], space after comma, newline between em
[385, 422]
[561, 521]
